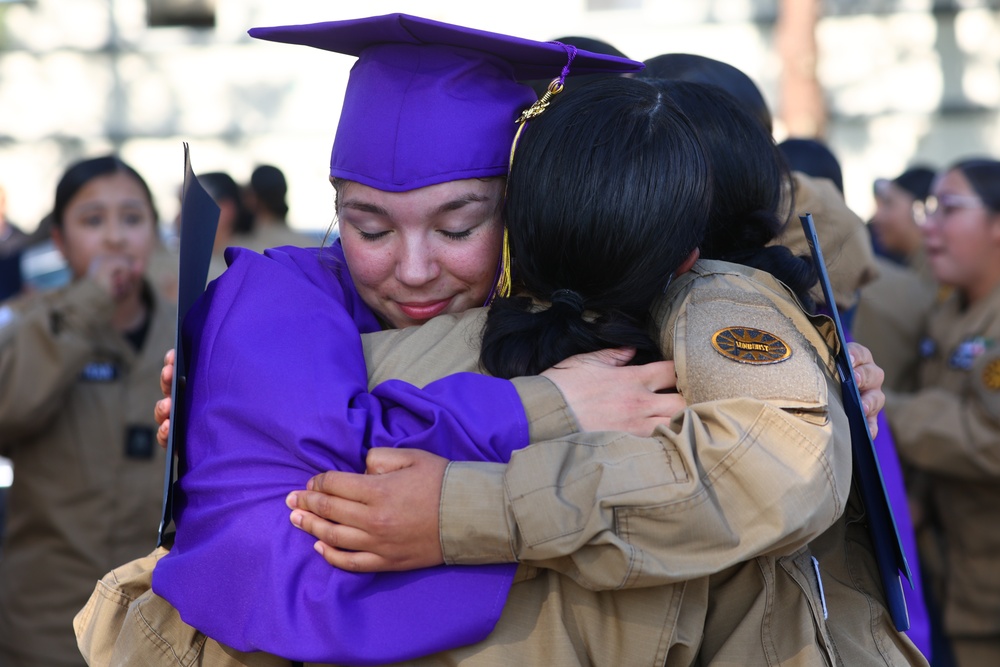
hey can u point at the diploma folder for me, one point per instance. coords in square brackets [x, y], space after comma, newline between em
[199, 219]
[892, 565]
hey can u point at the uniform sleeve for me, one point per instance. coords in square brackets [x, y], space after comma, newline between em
[759, 463]
[952, 434]
[45, 342]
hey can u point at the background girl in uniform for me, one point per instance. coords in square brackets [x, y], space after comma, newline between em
[949, 429]
[78, 368]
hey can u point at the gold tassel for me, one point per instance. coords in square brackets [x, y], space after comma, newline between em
[504, 281]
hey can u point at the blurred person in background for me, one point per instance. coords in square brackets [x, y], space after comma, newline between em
[12, 240]
[892, 309]
[265, 200]
[899, 213]
[948, 430]
[813, 158]
[235, 220]
[11, 237]
[79, 366]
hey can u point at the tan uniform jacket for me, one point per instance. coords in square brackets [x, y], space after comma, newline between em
[273, 235]
[70, 389]
[617, 534]
[890, 320]
[847, 248]
[950, 430]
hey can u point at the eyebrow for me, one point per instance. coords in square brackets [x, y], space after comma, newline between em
[464, 200]
[365, 207]
[100, 205]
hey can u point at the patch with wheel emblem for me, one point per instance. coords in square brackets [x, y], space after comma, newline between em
[750, 346]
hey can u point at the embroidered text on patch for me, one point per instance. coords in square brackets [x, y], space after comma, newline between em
[750, 346]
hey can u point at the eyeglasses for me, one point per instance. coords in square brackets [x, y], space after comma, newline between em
[946, 205]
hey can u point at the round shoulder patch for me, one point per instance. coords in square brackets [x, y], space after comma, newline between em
[991, 375]
[750, 346]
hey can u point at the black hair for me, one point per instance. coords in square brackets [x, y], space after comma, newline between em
[607, 196]
[699, 69]
[221, 187]
[983, 175]
[268, 184]
[750, 184]
[80, 173]
[917, 181]
[813, 158]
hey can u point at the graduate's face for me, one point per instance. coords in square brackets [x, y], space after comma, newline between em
[108, 218]
[418, 254]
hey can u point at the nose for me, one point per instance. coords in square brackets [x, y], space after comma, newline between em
[417, 263]
[930, 227]
[114, 232]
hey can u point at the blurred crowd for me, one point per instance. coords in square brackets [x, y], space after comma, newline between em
[87, 314]
[254, 215]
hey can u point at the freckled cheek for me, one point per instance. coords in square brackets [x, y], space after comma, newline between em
[370, 269]
[477, 267]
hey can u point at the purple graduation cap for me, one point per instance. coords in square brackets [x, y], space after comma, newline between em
[430, 102]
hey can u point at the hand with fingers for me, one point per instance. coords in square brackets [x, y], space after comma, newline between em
[161, 411]
[388, 518]
[606, 395]
[384, 520]
[869, 378]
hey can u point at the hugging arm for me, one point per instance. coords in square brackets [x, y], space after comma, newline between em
[759, 462]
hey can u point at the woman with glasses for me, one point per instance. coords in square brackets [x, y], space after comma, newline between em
[892, 308]
[948, 430]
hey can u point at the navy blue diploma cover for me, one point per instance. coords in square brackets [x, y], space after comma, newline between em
[889, 555]
[199, 219]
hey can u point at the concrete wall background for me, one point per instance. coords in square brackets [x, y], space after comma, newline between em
[904, 82]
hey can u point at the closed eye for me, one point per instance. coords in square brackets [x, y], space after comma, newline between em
[368, 236]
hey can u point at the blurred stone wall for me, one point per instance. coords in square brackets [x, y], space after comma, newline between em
[905, 80]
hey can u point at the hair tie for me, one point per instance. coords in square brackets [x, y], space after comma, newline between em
[569, 299]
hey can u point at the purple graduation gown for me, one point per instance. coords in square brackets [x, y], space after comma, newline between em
[277, 392]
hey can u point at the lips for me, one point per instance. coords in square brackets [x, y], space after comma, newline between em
[425, 310]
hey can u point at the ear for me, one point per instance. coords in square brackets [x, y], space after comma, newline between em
[688, 262]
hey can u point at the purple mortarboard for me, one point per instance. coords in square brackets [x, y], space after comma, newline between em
[430, 102]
